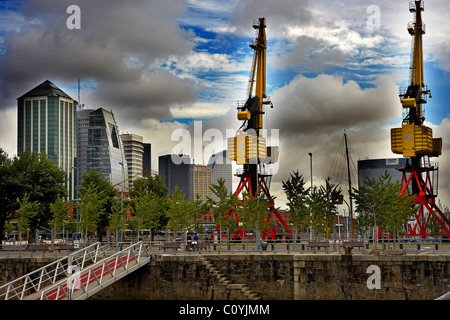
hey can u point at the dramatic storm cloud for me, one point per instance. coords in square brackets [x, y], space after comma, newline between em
[161, 65]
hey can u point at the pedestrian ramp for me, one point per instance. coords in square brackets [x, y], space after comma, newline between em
[79, 275]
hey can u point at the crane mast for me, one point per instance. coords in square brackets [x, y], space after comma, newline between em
[415, 141]
[248, 146]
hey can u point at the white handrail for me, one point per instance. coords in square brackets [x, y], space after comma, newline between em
[23, 286]
[66, 289]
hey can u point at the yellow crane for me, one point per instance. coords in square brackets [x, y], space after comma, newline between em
[414, 139]
[248, 147]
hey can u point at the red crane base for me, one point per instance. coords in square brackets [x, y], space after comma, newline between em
[279, 227]
[424, 197]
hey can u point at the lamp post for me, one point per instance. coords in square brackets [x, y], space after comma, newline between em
[121, 205]
[311, 191]
[310, 162]
[76, 199]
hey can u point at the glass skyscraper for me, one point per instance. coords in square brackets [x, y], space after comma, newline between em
[100, 147]
[174, 170]
[46, 123]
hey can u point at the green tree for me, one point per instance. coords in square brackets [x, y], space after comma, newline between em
[180, 211]
[223, 207]
[253, 212]
[330, 194]
[92, 208]
[116, 217]
[6, 195]
[60, 213]
[155, 185]
[363, 223]
[145, 209]
[200, 209]
[296, 194]
[103, 189]
[33, 175]
[316, 207]
[26, 212]
[379, 199]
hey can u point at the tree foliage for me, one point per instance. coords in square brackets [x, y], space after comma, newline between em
[33, 175]
[297, 195]
[60, 214]
[26, 212]
[103, 192]
[253, 212]
[92, 208]
[155, 186]
[222, 206]
[180, 211]
[329, 195]
[315, 208]
[379, 199]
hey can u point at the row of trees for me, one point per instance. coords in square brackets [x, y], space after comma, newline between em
[314, 208]
[32, 190]
[378, 205]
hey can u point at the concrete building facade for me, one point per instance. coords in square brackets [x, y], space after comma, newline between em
[133, 148]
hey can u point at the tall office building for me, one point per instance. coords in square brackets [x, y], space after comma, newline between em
[133, 148]
[199, 182]
[221, 169]
[47, 123]
[175, 173]
[373, 168]
[147, 161]
[100, 147]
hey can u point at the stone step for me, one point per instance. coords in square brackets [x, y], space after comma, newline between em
[235, 286]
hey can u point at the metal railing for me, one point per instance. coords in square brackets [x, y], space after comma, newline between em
[95, 277]
[33, 282]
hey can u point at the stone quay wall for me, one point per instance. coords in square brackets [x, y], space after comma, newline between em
[272, 276]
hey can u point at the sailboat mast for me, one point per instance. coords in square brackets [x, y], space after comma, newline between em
[349, 185]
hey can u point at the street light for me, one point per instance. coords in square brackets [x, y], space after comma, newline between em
[77, 200]
[121, 203]
[310, 161]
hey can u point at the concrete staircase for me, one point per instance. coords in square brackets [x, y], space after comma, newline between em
[224, 280]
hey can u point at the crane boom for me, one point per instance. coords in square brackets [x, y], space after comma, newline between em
[414, 139]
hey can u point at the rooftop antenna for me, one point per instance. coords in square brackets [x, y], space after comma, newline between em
[80, 106]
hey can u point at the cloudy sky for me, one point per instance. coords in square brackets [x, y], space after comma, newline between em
[159, 65]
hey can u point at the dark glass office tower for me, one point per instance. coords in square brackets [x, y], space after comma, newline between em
[47, 123]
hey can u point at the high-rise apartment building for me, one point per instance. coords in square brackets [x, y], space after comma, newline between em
[175, 173]
[133, 148]
[221, 168]
[199, 182]
[47, 123]
[100, 147]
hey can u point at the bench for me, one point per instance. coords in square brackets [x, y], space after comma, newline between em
[169, 245]
[318, 244]
[202, 245]
[64, 247]
[349, 245]
[40, 247]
